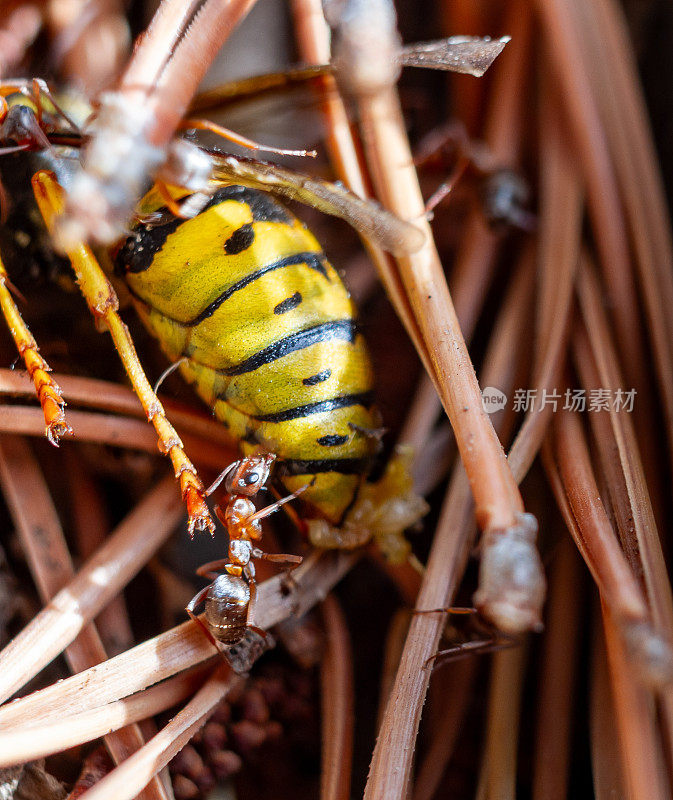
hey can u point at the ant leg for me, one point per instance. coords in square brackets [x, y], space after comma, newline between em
[447, 186]
[213, 568]
[296, 520]
[277, 558]
[103, 302]
[456, 610]
[48, 391]
[236, 138]
[288, 582]
[191, 610]
[220, 478]
[265, 512]
[252, 583]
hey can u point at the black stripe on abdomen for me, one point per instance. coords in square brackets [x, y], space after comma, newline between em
[336, 329]
[332, 440]
[311, 259]
[319, 377]
[346, 466]
[362, 399]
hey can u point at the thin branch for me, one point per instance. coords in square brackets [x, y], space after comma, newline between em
[642, 759]
[124, 782]
[393, 755]
[109, 429]
[112, 397]
[28, 742]
[337, 705]
[497, 780]
[173, 651]
[128, 548]
[51, 565]
[556, 694]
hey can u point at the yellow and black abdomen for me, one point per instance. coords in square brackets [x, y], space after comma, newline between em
[245, 293]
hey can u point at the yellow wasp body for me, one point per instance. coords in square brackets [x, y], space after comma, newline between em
[245, 296]
[242, 294]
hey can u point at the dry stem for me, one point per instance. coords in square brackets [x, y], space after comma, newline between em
[337, 705]
[174, 651]
[124, 553]
[47, 553]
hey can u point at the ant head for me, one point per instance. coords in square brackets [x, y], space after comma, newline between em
[249, 474]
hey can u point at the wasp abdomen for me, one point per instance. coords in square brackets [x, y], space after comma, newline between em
[245, 293]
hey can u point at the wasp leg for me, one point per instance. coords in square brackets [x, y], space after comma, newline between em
[171, 203]
[236, 138]
[478, 647]
[48, 391]
[102, 300]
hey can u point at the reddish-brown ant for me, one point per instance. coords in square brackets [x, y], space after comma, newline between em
[228, 601]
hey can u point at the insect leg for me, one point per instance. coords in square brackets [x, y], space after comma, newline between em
[102, 300]
[236, 138]
[267, 510]
[213, 568]
[48, 391]
[191, 610]
[277, 558]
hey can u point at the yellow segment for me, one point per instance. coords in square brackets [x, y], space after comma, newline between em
[191, 270]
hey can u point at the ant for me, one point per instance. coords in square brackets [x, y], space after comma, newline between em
[228, 601]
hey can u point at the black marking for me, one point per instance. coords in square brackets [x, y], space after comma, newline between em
[346, 466]
[336, 329]
[240, 240]
[288, 304]
[138, 251]
[312, 260]
[319, 407]
[319, 377]
[332, 440]
[263, 207]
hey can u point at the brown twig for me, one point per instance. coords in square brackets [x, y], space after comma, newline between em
[560, 672]
[108, 429]
[642, 759]
[498, 770]
[123, 554]
[568, 466]
[27, 742]
[392, 759]
[44, 544]
[337, 705]
[124, 782]
[622, 109]
[174, 651]
[111, 397]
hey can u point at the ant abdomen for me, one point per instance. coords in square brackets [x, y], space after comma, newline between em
[226, 608]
